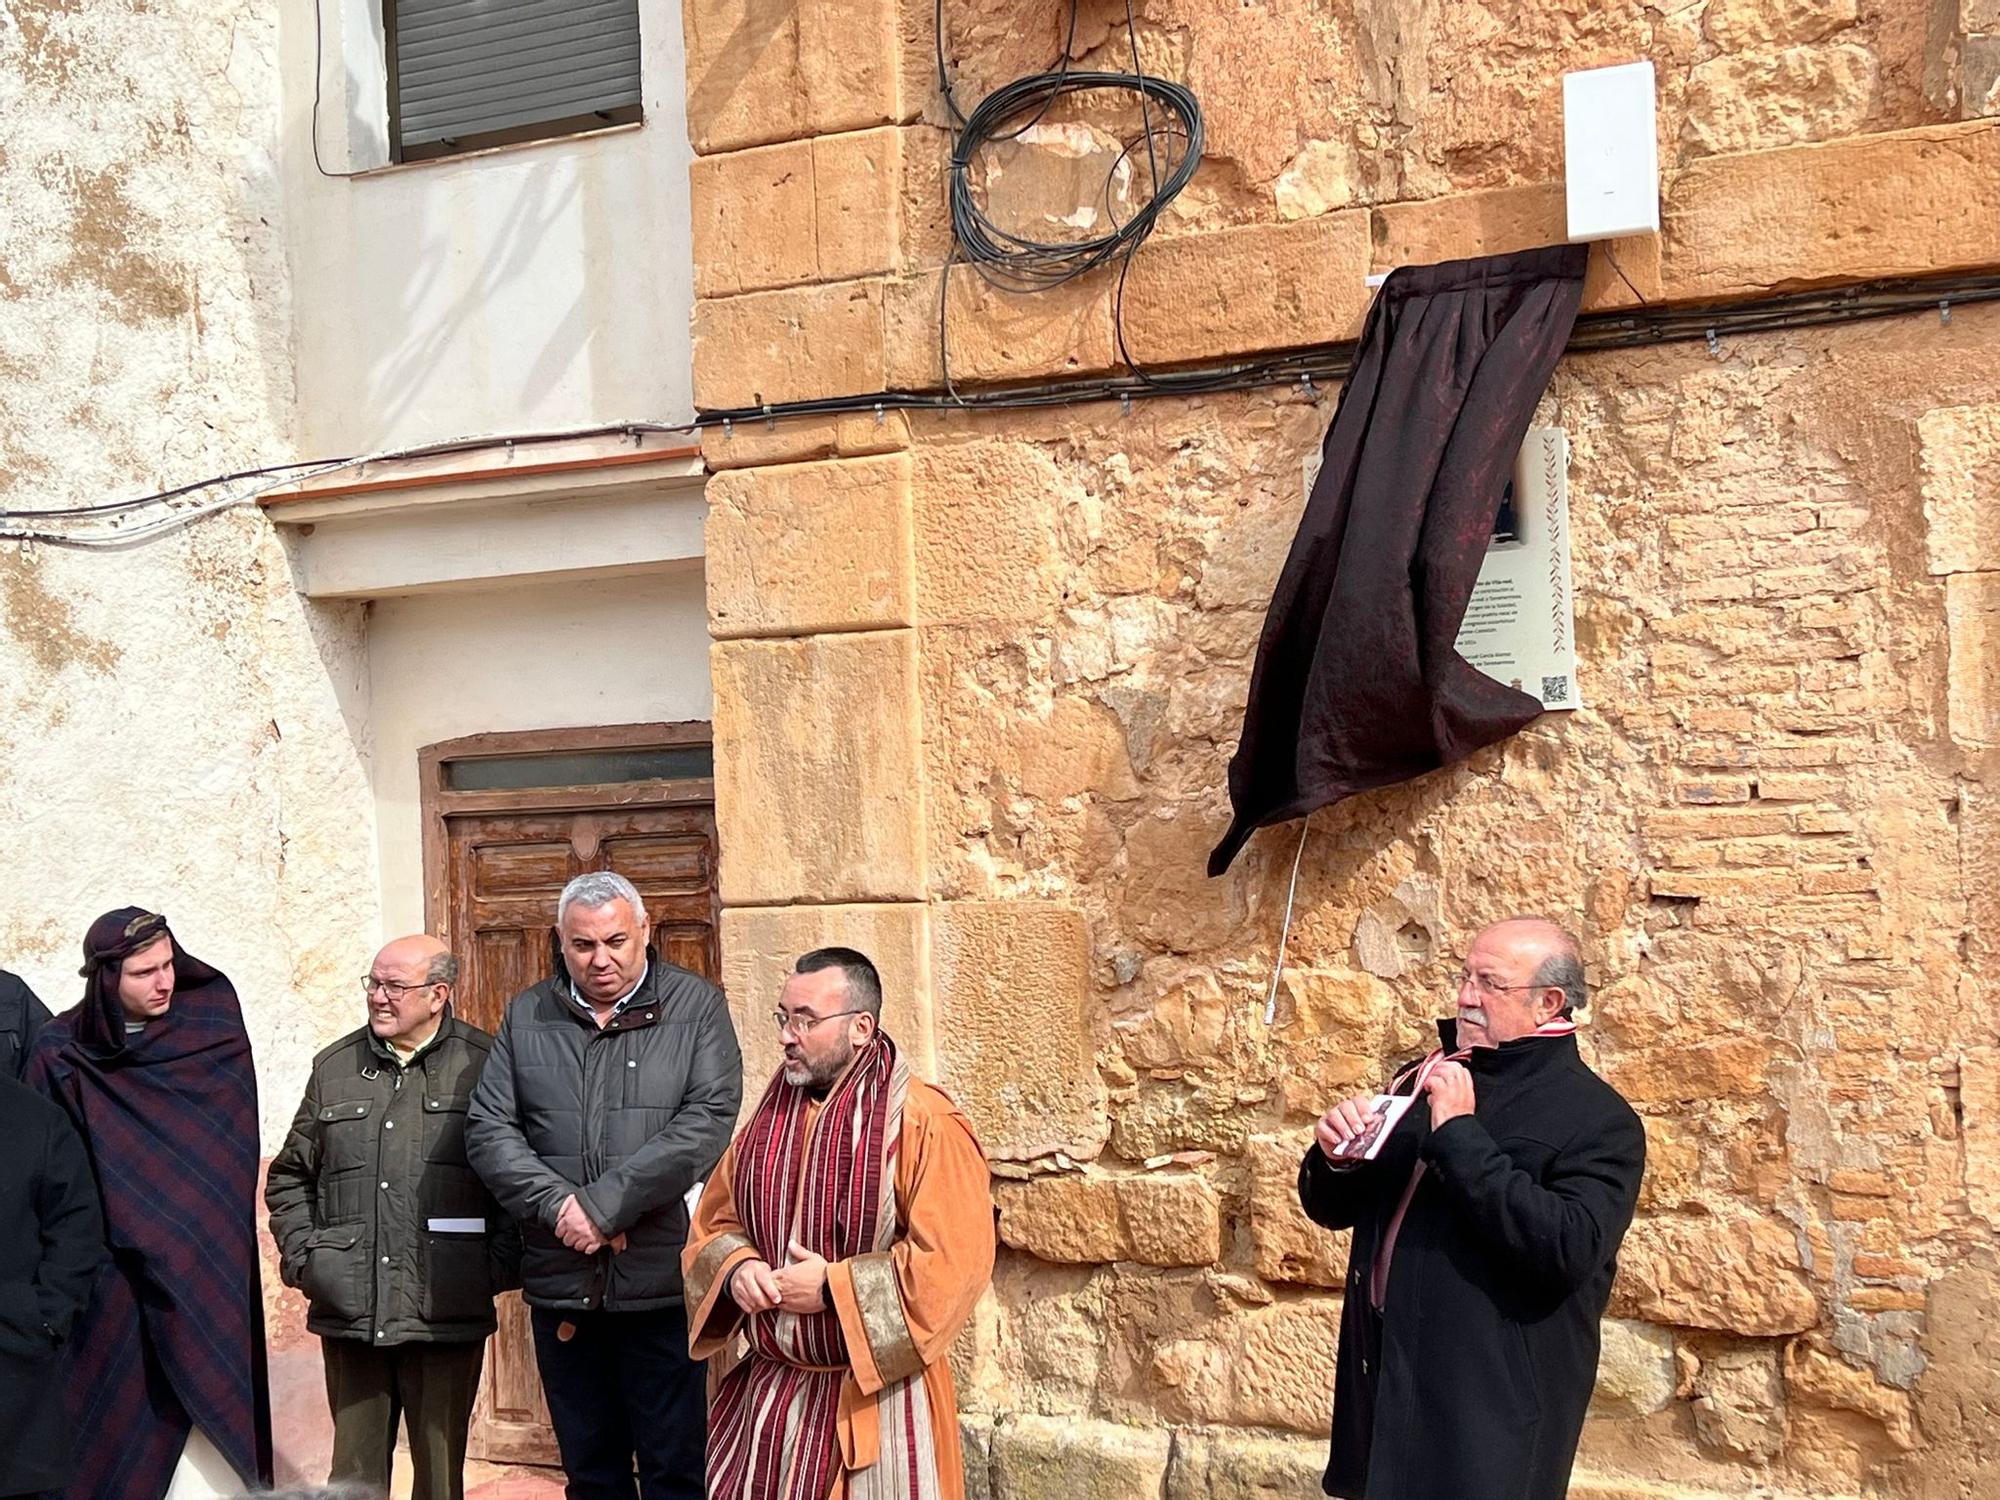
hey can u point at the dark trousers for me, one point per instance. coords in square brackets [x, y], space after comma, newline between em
[371, 1390]
[622, 1389]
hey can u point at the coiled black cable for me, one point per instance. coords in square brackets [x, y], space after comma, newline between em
[1170, 136]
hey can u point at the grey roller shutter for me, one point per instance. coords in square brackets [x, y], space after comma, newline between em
[468, 67]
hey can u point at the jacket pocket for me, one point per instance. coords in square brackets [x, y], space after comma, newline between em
[335, 1274]
[444, 1127]
[347, 1135]
[655, 1073]
[24, 1338]
[458, 1278]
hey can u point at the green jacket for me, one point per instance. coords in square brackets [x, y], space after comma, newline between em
[377, 1216]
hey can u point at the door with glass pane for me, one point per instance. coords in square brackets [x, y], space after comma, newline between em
[508, 820]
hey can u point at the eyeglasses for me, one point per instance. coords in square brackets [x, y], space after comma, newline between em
[1481, 985]
[801, 1022]
[370, 984]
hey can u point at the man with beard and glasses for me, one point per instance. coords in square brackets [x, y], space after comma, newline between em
[153, 1069]
[610, 1091]
[838, 1249]
[1486, 1234]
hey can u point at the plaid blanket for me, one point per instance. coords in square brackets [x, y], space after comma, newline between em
[175, 1332]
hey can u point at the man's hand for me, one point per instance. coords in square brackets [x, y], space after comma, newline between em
[1345, 1122]
[802, 1283]
[574, 1229]
[754, 1287]
[1450, 1092]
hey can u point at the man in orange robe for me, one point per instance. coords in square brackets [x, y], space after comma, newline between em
[839, 1247]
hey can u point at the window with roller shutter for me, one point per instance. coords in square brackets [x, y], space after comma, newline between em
[467, 74]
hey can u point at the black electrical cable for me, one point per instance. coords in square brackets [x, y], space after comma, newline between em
[1026, 263]
[319, 65]
[1314, 368]
[1327, 364]
[271, 471]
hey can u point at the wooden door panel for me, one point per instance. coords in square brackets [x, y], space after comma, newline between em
[503, 872]
[681, 863]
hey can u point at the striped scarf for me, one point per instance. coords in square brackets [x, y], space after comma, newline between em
[830, 1183]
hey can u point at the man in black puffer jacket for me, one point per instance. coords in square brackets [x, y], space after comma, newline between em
[22, 1017]
[612, 1090]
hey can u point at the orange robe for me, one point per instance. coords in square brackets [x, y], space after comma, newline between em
[895, 1318]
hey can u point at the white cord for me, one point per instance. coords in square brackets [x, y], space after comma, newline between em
[1285, 932]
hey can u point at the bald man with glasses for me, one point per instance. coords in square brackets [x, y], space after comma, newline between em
[1486, 1223]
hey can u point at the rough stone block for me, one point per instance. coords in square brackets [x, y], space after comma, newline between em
[1960, 451]
[1158, 1121]
[801, 549]
[1736, 225]
[1635, 1369]
[1727, 1068]
[1010, 981]
[1972, 620]
[988, 520]
[1267, 1367]
[1156, 1219]
[1733, 1272]
[1222, 1466]
[752, 218]
[816, 769]
[742, 72]
[1979, 872]
[975, 1440]
[1037, 1458]
[850, 57]
[796, 344]
[760, 944]
[1739, 1404]
[880, 201]
[751, 445]
[995, 335]
[1979, 1097]
[1286, 1245]
[1461, 225]
[1242, 291]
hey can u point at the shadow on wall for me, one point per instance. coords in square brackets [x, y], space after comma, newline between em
[536, 286]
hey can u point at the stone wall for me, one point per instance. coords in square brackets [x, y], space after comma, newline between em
[978, 677]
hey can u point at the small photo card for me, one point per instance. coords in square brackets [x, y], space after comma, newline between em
[1383, 1114]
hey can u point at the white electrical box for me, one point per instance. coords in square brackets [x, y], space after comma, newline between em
[1611, 152]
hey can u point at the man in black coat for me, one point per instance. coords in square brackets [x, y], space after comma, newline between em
[22, 1017]
[611, 1091]
[1486, 1235]
[51, 1249]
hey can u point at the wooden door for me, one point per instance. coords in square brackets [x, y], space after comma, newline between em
[497, 871]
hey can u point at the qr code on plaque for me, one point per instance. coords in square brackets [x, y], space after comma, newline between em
[1555, 689]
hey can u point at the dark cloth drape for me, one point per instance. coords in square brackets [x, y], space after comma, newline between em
[175, 1333]
[1357, 684]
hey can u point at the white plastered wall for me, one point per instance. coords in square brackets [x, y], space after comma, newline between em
[620, 650]
[178, 728]
[536, 287]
